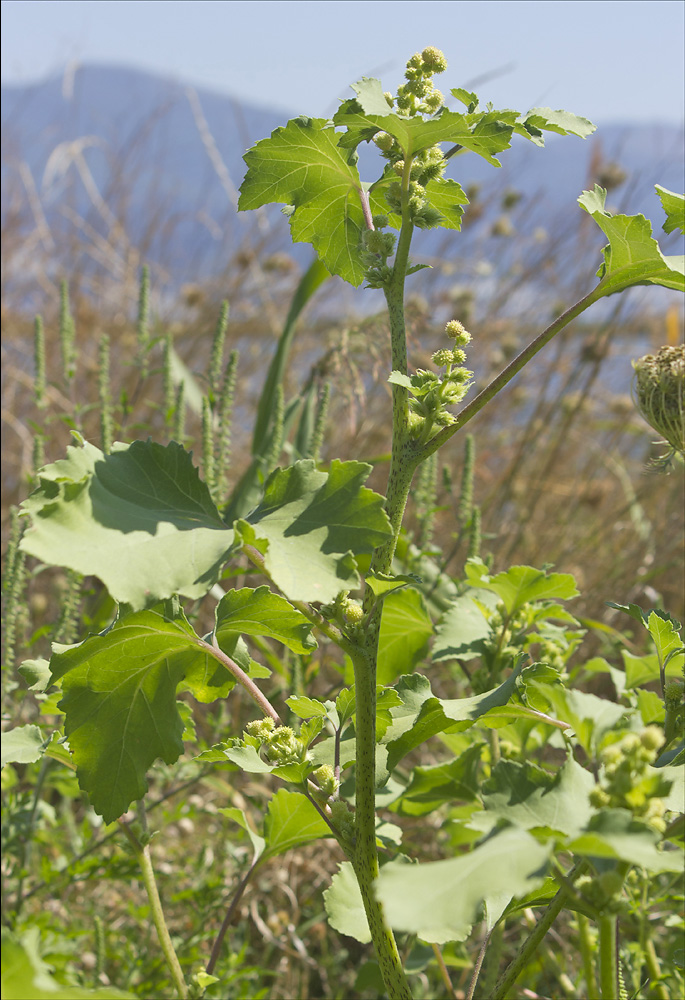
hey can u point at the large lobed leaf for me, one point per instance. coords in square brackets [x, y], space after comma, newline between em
[119, 688]
[310, 526]
[302, 166]
[120, 703]
[140, 519]
[440, 900]
[632, 256]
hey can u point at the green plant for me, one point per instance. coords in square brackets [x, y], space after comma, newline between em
[139, 518]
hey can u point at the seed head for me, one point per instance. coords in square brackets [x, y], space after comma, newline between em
[658, 391]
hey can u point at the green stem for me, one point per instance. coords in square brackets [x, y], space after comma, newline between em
[529, 948]
[142, 854]
[509, 372]
[608, 957]
[587, 952]
[364, 658]
[654, 969]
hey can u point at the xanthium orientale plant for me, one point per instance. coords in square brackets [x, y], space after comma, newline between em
[139, 517]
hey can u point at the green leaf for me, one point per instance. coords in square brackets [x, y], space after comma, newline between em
[310, 526]
[21, 745]
[36, 673]
[405, 630]
[520, 585]
[306, 708]
[664, 632]
[529, 798]
[589, 716]
[383, 584]
[119, 697]
[261, 612]
[344, 905]
[440, 900]
[485, 133]
[452, 781]
[370, 96]
[422, 715]
[463, 627]
[613, 833]
[561, 122]
[674, 207]
[643, 669]
[140, 519]
[302, 165]
[291, 820]
[238, 816]
[633, 256]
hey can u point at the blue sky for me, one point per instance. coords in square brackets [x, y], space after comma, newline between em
[610, 61]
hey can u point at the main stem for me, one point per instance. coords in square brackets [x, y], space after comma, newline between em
[402, 467]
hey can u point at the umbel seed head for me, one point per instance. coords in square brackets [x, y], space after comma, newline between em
[659, 390]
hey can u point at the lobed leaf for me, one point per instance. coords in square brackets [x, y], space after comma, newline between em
[139, 518]
[263, 613]
[632, 256]
[310, 526]
[119, 698]
[674, 206]
[521, 585]
[423, 899]
[301, 165]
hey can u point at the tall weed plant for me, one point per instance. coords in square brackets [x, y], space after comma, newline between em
[274, 660]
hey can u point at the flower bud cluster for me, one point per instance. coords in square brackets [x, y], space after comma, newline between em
[343, 820]
[280, 744]
[418, 95]
[659, 391]
[328, 785]
[627, 782]
[431, 393]
[377, 247]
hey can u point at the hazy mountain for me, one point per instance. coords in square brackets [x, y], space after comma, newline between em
[107, 145]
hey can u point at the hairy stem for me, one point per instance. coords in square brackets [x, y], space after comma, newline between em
[142, 854]
[242, 678]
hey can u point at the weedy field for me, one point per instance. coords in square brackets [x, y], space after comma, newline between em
[310, 690]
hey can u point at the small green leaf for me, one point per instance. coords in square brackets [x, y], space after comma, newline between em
[305, 708]
[633, 256]
[291, 820]
[344, 905]
[664, 632]
[520, 585]
[238, 816]
[21, 745]
[36, 673]
[261, 612]
[440, 900]
[674, 207]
